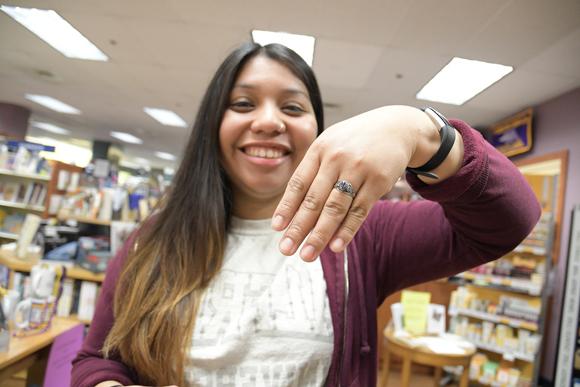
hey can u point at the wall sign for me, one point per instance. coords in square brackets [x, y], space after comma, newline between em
[513, 136]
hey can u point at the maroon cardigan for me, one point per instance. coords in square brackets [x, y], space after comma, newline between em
[475, 216]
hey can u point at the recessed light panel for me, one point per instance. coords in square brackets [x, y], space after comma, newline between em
[303, 45]
[50, 127]
[56, 31]
[165, 156]
[166, 117]
[126, 137]
[462, 79]
[52, 103]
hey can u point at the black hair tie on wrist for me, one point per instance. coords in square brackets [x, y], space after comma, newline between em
[447, 134]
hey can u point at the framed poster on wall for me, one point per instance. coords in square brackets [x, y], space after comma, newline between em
[513, 136]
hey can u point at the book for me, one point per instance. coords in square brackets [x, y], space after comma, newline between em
[41, 196]
[28, 194]
[65, 302]
[10, 192]
[87, 300]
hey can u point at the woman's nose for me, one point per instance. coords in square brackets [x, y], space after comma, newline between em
[268, 120]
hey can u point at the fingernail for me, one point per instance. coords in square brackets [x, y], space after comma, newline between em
[277, 222]
[286, 246]
[337, 245]
[307, 253]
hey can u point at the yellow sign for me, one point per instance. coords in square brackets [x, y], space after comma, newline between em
[415, 306]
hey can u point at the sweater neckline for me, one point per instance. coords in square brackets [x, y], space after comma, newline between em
[251, 226]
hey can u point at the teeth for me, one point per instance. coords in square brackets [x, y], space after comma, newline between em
[267, 153]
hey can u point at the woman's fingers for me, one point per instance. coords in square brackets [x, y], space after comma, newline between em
[296, 190]
[358, 212]
[308, 212]
[333, 212]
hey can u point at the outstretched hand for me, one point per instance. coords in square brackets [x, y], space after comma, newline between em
[370, 151]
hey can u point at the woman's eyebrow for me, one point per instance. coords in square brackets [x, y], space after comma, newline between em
[290, 90]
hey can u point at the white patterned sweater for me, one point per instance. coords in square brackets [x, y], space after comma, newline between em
[265, 319]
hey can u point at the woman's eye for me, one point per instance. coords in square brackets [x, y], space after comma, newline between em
[294, 109]
[241, 105]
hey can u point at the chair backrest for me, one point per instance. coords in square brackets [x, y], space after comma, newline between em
[62, 352]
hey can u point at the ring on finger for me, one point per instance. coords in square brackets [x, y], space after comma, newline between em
[345, 186]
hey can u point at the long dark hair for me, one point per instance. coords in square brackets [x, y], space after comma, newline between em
[181, 249]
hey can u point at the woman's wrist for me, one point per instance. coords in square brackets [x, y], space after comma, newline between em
[428, 141]
[427, 137]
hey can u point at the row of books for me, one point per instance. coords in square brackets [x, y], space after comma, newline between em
[103, 204]
[78, 298]
[26, 193]
[11, 221]
[21, 157]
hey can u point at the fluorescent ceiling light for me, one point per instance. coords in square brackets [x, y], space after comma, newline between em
[461, 80]
[166, 117]
[54, 30]
[165, 156]
[141, 160]
[50, 127]
[52, 103]
[303, 45]
[126, 137]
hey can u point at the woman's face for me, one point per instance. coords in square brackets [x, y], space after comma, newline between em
[265, 131]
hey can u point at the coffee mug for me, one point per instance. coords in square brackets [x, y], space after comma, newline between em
[9, 302]
[42, 278]
[33, 313]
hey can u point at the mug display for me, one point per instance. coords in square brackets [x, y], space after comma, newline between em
[42, 279]
[33, 313]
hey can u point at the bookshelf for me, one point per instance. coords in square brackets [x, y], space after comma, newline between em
[80, 288]
[20, 193]
[65, 179]
[83, 219]
[8, 235]
[22, 206]
[501, 306]
[30, 176]
[76, 273]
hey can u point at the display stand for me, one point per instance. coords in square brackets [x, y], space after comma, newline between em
[568, 363]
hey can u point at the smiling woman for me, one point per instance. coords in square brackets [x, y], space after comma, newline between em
[265, 132]
[212, 291]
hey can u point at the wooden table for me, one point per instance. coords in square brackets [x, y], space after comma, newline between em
[421, 355]
[31, 352]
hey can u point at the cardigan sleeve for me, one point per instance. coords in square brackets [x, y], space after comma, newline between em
[89, 366]
[477, 215]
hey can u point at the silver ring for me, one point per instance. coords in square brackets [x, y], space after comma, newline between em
[345, 187]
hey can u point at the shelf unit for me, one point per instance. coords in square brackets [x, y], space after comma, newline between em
[77, 274]
[85, 220]
[26, 188]
[8, 235]
[516, 285]
[30, 176]
[59, 168]
[21, 206]
[495, 286]
[498, 319]
[507, 355]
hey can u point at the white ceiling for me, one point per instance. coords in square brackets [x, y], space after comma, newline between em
[368, 53]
